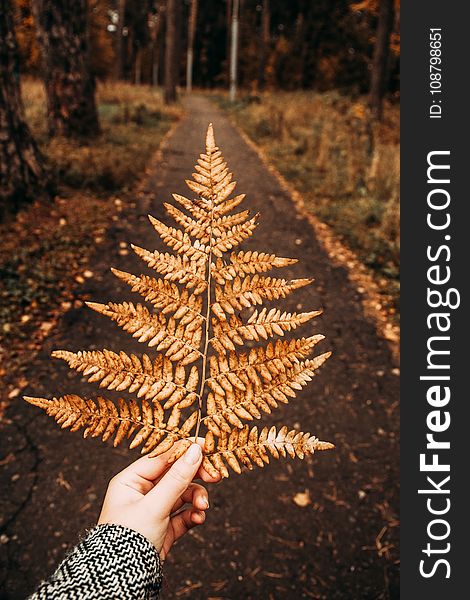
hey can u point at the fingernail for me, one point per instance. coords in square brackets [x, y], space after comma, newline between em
[206, 503]
[192, 454]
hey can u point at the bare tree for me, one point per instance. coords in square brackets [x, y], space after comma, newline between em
[380, 61]
[170, 52]
[22, 173]
[191, 32]
[70, 85]
[234, 50]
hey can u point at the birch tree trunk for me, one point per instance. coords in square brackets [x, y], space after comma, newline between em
[191, 33]
[234, 50]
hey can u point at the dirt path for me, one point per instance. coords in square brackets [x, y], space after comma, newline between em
[257, 543]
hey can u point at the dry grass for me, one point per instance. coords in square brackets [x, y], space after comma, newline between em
[346, 169]
[133, 121]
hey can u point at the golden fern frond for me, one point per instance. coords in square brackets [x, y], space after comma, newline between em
[164, 295]
[245, 447]
[225, 207]
[181, 269]
[200, 210]
[259, 326]
[197, 208]
[230, 409]
[200, 228]
[179, 240]
[250, 291]
[247, 263]
[212, 179]
[101, 418]
[208, 350]
[232, 371]
[177, 341]
[233, 237]
[222, 224]
[157, 381]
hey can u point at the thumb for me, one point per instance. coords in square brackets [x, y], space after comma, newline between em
[175, 481]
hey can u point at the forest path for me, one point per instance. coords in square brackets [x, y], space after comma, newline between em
[257, 542]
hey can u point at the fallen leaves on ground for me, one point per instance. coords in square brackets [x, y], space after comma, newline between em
[302, 499]
[41, 263]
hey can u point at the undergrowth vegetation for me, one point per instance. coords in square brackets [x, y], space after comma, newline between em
[346, 169]
[133, 120]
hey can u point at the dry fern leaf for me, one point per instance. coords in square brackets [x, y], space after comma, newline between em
[207, 350]
[157, 381]
[227, 410]
[250, 291]
[101, 418]
[181, 269]
[234, 371]
[245, 447]
[246, 263]
[177, 341]
[260, 325]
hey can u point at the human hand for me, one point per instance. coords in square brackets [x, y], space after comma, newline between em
[149, 494]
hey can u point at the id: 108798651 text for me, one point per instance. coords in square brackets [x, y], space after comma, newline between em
[435, 72]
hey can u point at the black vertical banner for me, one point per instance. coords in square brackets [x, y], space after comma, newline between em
[435, 420]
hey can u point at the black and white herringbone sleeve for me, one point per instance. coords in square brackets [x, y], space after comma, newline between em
[111, 562]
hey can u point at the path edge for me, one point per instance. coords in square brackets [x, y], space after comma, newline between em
[145, 196]
[339, 254]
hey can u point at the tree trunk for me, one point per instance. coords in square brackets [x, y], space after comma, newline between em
[234, 50]
[170, 52]
[22, 173]
[155, 37]
[178, 40]
[138, 67]
[70, 86]
[191, 34]
[379, 76]
[265, 41]
[228, 21]
[119, 70]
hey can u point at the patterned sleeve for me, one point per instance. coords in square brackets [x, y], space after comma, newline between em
[110, 562]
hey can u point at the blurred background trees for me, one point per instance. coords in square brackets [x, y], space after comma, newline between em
[323, 45]
[309, 79]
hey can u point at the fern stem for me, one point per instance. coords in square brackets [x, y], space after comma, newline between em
[206, 328]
